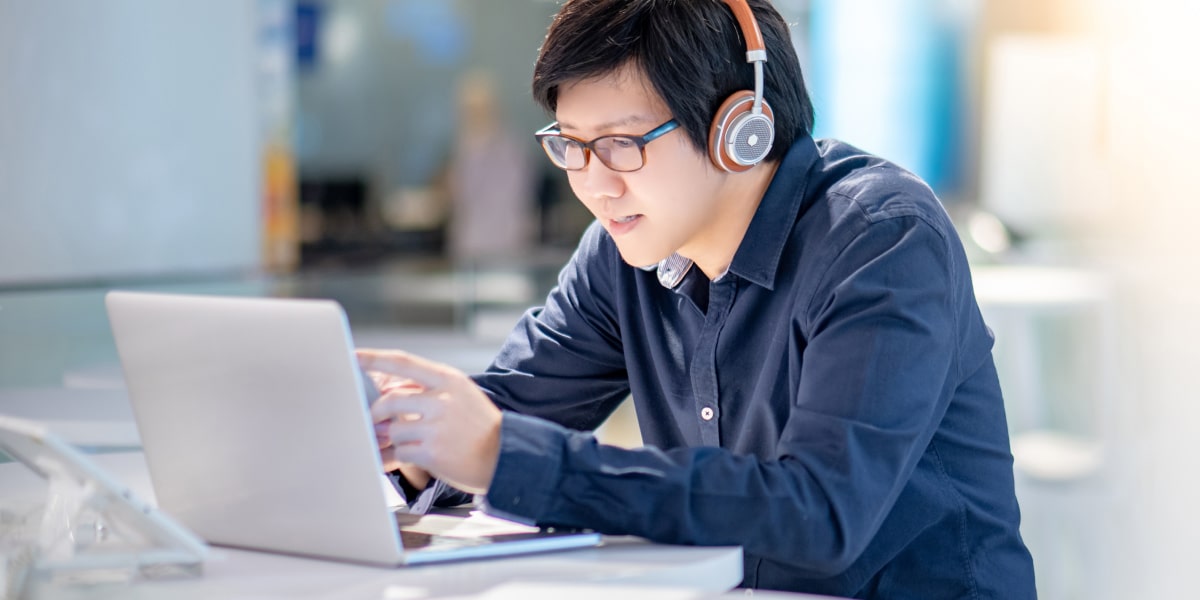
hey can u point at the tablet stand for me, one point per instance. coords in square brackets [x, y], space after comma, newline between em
[92, 529]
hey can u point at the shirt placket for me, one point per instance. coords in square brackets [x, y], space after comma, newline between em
[704, 364]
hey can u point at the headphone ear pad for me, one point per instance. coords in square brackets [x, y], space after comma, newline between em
[739, 103]
[735, 118]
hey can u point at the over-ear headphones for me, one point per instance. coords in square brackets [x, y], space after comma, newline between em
[743, 128]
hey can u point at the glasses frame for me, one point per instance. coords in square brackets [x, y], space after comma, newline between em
[589, 148]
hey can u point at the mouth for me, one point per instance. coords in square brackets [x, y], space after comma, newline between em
[622, 225]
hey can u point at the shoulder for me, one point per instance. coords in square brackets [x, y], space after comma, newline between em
[859, 189]
[862, 214]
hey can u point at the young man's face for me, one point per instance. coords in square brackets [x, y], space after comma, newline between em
[671, 203]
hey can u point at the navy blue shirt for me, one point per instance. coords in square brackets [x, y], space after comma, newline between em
[830, 403]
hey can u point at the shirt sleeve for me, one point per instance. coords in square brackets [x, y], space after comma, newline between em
[876, 378]
[564, 361]
[436, 493]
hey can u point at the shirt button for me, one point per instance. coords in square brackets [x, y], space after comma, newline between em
[706, 413]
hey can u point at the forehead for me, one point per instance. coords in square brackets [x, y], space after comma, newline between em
[614, 101]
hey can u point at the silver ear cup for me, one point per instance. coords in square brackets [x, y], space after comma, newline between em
[749, 138]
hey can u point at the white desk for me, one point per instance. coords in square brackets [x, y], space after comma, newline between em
[242, 574]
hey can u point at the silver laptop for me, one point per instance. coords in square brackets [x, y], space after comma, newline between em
[252, 418]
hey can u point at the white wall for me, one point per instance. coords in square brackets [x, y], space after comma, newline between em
[128, 139]
[381, 101]
[1155, 137]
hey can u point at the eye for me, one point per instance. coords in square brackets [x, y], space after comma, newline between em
[623, 143]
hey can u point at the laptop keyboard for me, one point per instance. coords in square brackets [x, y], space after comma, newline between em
[413, 540]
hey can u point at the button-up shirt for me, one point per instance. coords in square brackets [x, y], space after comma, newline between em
[830, 403]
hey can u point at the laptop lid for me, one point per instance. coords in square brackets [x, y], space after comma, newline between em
[252, 421]
[252, 418]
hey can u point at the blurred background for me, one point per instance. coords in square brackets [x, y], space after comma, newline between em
[380, 152]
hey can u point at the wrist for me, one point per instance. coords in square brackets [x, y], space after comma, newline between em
[412, 480]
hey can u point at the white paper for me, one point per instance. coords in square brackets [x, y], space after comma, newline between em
[477, 524]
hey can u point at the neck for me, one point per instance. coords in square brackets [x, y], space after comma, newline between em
[739, 203]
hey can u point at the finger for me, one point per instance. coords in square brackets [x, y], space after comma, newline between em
[408, 433]
[384, 382]
[382, 415]
[407, 407]
[425, 372]
[414, 454]
[379, 379]
[391, 405]
[381, 434]
[389, 383]
[387, 457]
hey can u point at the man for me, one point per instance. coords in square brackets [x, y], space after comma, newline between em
[811, 373]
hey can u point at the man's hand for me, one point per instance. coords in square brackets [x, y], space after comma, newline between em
[433, 417]
[382, 383]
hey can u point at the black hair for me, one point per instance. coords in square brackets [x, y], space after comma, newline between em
[691, 51]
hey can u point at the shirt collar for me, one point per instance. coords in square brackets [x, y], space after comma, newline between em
[757, 258]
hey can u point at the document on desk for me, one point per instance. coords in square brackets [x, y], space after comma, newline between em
[478, 524]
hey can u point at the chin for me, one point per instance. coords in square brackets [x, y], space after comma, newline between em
[641, 257]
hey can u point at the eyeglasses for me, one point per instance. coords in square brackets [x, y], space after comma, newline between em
[622, 153]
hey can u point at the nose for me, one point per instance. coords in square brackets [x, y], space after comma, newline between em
[597, 182]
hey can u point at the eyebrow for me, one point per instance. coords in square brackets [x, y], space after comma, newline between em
[610, 125]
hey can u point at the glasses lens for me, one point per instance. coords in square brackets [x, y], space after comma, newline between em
[619, 153]
[565, 153]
